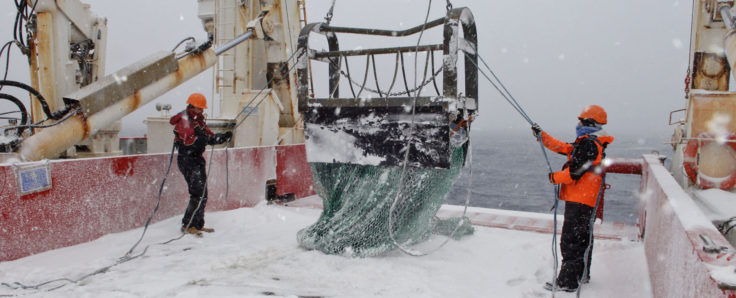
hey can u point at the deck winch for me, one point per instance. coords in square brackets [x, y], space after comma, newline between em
[391, 155]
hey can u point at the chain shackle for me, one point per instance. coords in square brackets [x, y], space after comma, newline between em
[328, 17]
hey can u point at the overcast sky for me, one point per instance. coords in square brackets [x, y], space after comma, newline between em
[555, 56]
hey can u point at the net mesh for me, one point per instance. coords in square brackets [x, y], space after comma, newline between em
[357, 200]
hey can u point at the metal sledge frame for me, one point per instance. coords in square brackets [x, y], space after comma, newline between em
[448, 100]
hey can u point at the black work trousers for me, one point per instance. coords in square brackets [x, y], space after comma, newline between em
[193, 169]
[575, 238]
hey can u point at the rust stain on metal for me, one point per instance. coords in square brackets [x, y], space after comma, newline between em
[200, 58]
[44, 63]
[178, 75]
[84, 123]
[187, 65]
[136, 101]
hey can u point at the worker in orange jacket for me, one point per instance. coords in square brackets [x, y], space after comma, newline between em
[581, 183]
[191, 136]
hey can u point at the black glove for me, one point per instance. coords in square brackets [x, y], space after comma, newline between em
[536, 130]
[220, 138]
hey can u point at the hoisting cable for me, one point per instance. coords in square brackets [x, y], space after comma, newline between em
[328, 17]
[158, 201]
[408, 148]
[515, 104]
[67, 116]
[127, 257]
[406, 161]
[246, 106]
[201, 198]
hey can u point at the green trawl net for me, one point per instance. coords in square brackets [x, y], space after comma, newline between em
[356, 202]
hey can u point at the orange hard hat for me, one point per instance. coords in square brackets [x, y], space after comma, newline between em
[197, 100]
[595, 112]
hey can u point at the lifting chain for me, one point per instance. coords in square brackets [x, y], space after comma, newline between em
[407, 92]
[449, 5]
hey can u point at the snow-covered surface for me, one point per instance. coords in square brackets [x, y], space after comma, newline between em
[724, 275]
[717, 204]
[325, 145]
[254, 253]
[690, 216]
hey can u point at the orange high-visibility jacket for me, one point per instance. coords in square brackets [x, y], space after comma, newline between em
[581, 185]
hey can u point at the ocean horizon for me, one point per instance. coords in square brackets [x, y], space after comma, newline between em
[509, 172]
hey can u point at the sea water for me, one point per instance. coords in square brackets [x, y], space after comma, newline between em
[509, 171]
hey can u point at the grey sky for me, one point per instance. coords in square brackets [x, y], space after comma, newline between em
[554, 56]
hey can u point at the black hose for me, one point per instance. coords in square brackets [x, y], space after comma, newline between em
[46, 110]
[5, 47]
[21, 107]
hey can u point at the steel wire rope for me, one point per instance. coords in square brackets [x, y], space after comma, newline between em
[204, 192]
[127, 257]
[7, 113]
[158, 201]
[121, 260]
[62, 119]
[509, 98]
[23, 119]
[328, 17]
[406, 250]
[247, 105]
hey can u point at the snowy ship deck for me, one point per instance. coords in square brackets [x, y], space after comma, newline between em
[254, 252]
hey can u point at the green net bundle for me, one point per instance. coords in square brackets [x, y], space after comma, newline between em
[357, 200]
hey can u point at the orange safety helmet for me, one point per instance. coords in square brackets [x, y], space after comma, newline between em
[197, 100]
[595, 112]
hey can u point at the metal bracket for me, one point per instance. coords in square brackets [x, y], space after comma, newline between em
[678, 121]
[716, 7]
[123, 83]
[257, 26]
[710, 246]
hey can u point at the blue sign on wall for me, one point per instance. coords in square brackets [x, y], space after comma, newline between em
[33, 179]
